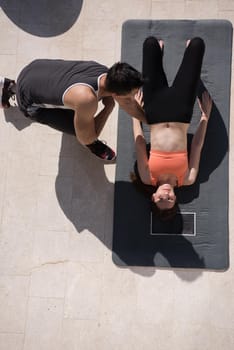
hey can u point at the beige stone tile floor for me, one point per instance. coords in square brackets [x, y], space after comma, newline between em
[59, 288]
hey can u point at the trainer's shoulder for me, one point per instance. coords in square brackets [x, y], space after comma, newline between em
[80, 95]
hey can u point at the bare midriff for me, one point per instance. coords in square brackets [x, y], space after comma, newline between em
[169, 137]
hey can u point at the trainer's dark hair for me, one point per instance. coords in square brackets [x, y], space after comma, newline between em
[148, 190]
[122, 78]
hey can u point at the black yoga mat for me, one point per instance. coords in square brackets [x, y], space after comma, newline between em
[198, 236]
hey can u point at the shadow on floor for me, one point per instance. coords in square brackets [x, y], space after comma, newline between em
[91, 207]
[15, 117]
[43, 18]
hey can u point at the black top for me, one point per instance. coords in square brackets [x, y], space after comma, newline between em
[44, 81]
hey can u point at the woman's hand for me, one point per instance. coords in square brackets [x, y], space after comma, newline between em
[139, 98]
[205, 104]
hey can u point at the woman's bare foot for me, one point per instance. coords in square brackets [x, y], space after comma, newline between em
[161, 43]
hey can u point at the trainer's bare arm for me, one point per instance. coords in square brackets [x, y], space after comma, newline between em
[132, 107]
[84, 103]
[101, 118]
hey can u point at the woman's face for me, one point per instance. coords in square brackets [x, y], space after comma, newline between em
[164, 197]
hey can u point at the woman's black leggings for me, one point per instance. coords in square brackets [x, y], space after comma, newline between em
[175, 103]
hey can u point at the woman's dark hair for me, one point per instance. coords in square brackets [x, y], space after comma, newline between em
[165, 214]
[148, 190]
[122, 78]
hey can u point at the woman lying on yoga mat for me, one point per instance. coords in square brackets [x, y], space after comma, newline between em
[169, 110]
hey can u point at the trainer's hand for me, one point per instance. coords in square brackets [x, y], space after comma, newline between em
[205, 104]
[139, 98]
[108, 102]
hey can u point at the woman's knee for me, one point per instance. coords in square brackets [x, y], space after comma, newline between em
[151, 47]
[150, 41]
[197, 43]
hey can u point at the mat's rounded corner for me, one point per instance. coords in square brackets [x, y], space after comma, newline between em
[226, 267]
[117, 261]
[228, 23]
[127, 23]
[223, 268]
[227, 264]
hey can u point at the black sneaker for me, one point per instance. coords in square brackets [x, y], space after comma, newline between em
[101, 150]
[6, 92]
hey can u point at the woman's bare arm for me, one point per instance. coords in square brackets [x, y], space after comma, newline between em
[205, 105]
[141, 153]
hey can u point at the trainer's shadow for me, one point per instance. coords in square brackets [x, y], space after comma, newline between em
[91, 207]
[14, 116]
